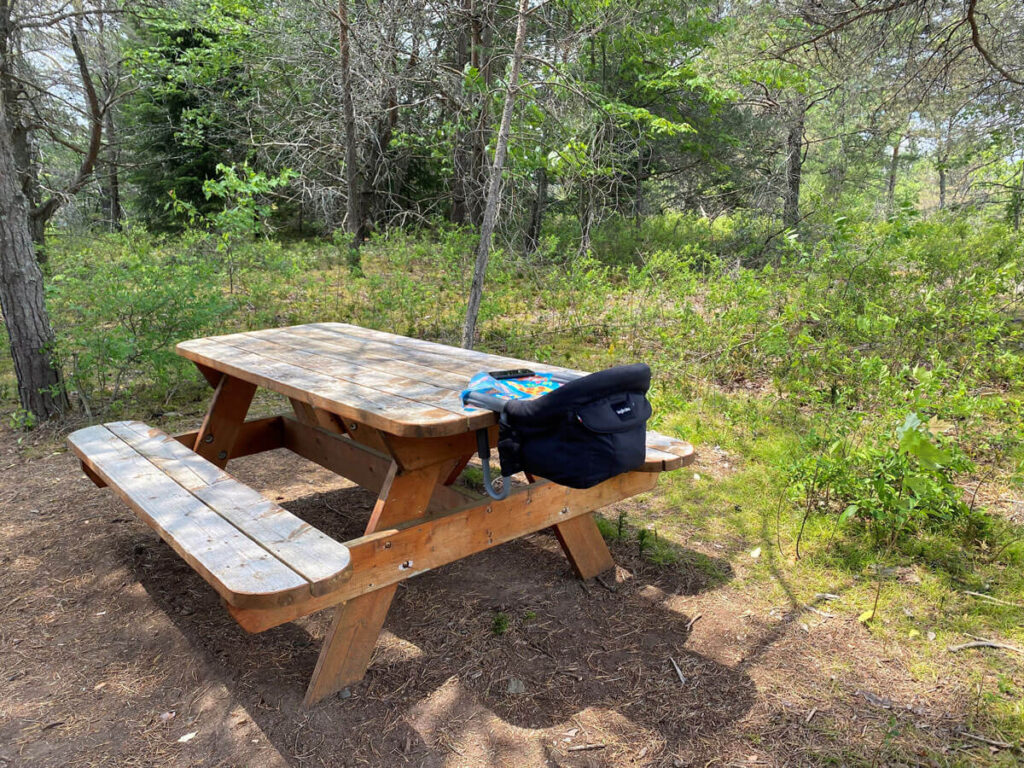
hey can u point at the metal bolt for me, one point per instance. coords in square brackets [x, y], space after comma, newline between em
[565, 511]
[387, 545]
[208, 438]
[353, 427]
[222, 455]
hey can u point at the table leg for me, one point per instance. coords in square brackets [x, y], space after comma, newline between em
[224, 419]
[584, 545]
[347, 649]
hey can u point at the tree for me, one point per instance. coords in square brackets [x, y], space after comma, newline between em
[483, 251]
[33, 103]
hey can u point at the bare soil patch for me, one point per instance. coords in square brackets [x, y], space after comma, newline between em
[114, 653]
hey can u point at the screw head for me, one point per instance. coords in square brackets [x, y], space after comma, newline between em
[208, 438]
[222, 455]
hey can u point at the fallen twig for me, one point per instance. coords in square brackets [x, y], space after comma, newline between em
[993, 599]
[694, 620]
[812, 609]
[992, 742]
[984, 642]
[586, 747]
[679, 672]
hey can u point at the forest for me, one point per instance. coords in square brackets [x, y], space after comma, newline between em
[804, 215]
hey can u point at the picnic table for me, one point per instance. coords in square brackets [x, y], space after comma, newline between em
[379, 409]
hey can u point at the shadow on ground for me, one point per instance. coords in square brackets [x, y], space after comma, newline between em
[477, 658]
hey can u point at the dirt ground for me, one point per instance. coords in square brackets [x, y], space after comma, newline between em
[113, 652]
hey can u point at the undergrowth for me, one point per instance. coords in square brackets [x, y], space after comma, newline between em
[865, 388]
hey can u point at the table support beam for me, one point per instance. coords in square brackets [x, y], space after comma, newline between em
[389, 556]
[216, 437]
[584, 545]
[349, 644]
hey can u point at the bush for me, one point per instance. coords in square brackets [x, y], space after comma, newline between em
[120, 306]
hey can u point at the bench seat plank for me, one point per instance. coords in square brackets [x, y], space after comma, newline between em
[253, 552]
[317, 557]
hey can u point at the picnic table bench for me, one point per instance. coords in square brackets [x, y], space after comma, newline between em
[379, 409]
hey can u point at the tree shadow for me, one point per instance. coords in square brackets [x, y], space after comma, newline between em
[509, 633]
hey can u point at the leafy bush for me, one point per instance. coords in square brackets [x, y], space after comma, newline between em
[120, 306]
[896, 484]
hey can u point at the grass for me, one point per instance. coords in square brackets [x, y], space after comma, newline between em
[761, 367]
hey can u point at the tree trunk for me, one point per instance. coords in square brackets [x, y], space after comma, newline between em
[354, 223]
[40, 388]
[110, 199]
[642, 174]
[894, 164]
[494, 183]
[942, 185]
[794, 166]
[110, 184]
[540, 202]
[460, 161]
[470, 166]
[1019, 201]
[587, 215]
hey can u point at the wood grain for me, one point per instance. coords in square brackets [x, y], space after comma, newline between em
[389, 556]
[243, 573]
[224, 419]
[253, 552]
[584, 546]
[318, 558]
[349, 643]
[402, 386]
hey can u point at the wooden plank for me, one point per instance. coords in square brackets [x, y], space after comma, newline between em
[390, 556]
[96, 479]
[349, 643]
[362, 354]
[318, 417]
[380, 410]
[391, 355]
[378, 378]
[281, 364]
[254, 436]
[318, 558]
[411, 453]
[584, 545]
[359, 463]
[403, 497]
[245, 574]
[666, 453]
[483, 361]
[212, 376]
[224, 419]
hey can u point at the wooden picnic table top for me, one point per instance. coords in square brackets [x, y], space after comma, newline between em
[400, 385]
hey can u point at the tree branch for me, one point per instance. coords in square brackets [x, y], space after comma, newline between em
[45, 211]
[976, 42]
